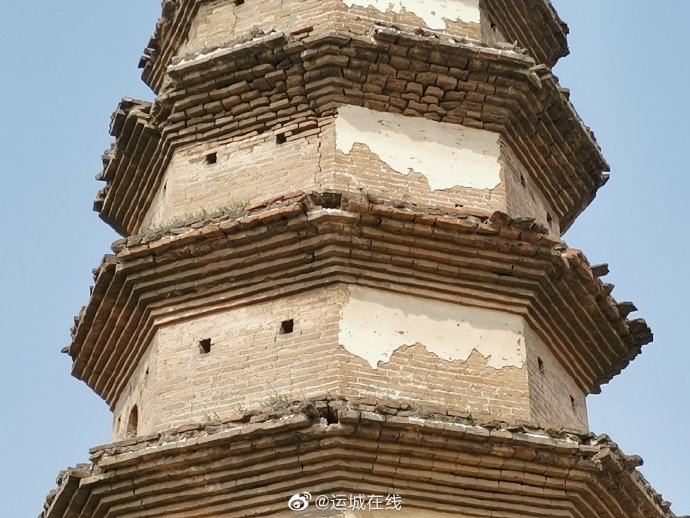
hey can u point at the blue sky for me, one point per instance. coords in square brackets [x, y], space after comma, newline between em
[64, 67]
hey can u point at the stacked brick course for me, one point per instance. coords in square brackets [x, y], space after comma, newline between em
[251, 464]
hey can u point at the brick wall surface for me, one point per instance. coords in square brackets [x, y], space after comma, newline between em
[221, 22]
[523, 198]
[258, 168]
[254, 364]
[551, 388]
[468, 387]
[250, 364]
[245, 171]
[363, 170]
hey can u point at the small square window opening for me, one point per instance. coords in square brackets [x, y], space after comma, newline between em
[287, 327]
[205, 346]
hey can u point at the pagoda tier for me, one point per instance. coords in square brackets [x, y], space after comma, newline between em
[528, 327]
[284, 97]
[192, 26]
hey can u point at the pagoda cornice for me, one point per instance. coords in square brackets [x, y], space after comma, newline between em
[252, 464]
[466, 83]
[533, 24]
[307, 241]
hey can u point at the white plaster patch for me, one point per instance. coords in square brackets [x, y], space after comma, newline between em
[448, 155]
[433, 12]
[374, 324]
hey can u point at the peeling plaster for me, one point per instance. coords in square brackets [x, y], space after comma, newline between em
[448, 155]
[374, 324]
[433, 12]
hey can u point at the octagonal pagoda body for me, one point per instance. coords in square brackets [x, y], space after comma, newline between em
[341, 232]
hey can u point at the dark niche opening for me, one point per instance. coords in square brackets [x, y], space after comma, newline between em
[133, 423]
[211, 158]
[287, 327]
[205, 346]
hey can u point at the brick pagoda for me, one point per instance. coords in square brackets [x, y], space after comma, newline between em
[341, 273]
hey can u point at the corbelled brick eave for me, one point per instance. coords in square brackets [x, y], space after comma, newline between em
[308, 241]
[545, 40]
[252, 463]
[492, 89]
